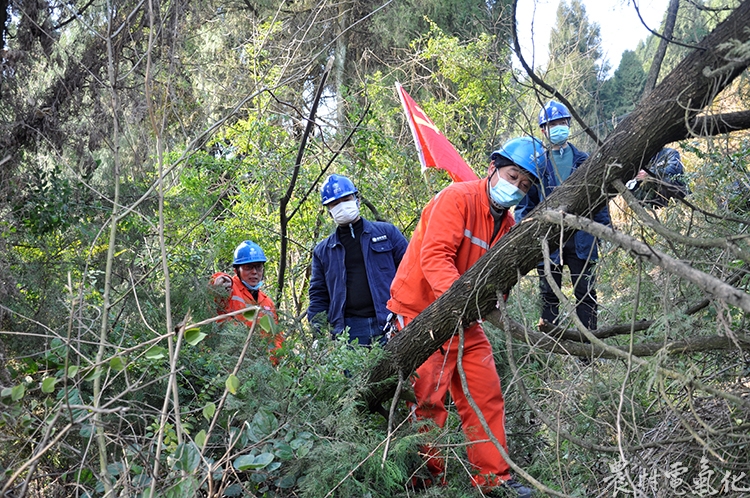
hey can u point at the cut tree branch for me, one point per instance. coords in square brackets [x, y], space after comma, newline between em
[708, 283]
[574, 348]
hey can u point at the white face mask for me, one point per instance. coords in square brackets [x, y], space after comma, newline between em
[345, 212]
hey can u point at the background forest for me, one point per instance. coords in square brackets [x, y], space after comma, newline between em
[142, 140]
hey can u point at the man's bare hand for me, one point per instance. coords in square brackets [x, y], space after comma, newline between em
[222, 285]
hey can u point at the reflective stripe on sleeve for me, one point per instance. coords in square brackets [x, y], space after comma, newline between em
[475, 240]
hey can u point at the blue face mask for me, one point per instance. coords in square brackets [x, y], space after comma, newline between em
[506, 194]
[253, 287]
[558, 135]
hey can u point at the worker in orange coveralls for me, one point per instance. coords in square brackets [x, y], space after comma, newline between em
[243, 289]
[456, 228]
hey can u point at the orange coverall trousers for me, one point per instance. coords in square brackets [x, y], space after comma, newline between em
[438, 376]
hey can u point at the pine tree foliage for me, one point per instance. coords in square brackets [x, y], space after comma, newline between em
[621, 92]
[575, 53]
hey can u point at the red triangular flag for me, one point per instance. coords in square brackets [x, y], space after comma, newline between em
[435, 151]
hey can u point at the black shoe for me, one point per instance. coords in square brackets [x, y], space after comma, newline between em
[521, 490]
[510, 488]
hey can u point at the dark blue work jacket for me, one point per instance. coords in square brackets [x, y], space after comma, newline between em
[383, 246]
[586, 244]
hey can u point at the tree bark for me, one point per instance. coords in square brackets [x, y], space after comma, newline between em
[659, 119]
[721, 123]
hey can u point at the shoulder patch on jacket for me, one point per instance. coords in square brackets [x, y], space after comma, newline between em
[379, 238]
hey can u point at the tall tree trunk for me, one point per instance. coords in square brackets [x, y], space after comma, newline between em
[3, 20]
[659, 119]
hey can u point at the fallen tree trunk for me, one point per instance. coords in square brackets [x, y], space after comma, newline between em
[663, 117]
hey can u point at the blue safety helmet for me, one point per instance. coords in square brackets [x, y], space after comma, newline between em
[336, 187]
[553, 111]
[526, 152]
[248, 252]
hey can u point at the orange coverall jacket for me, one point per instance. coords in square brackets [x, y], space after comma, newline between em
[241, 297]
[453, 233]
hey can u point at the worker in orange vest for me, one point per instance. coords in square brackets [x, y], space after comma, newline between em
[243, 289]
[457, 227]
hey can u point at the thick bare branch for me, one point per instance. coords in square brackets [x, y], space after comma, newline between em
[664, 36]
[661, 50]
[283, 216]
[574, 348]
[711, 125]
[709, 284]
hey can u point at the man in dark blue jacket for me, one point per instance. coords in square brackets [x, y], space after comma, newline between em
[660, 180]
[353, 268]
[579, 252]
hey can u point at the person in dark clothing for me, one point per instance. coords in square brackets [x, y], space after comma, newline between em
[579, 252]
[353, 268]
[660, 180]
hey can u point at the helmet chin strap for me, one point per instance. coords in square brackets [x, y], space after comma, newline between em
[497, 208]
